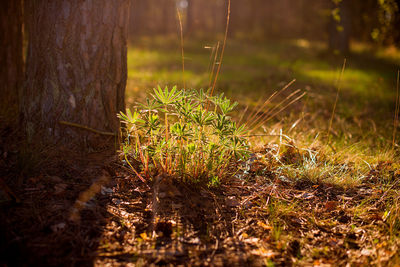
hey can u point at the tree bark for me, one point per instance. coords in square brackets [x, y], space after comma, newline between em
[76, 71]
[11, 55]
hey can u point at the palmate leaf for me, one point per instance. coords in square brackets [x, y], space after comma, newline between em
[224, 103]
[201, 96]
[185, 106]
[129, 117]
[152, 122]
[239, 148]
[202, 117]
[221, 125]
[150, 105]
[181, 131]
[240, 131]
[196, 142]
[167, 97]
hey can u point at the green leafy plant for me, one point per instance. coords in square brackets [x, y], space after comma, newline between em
[196, 140]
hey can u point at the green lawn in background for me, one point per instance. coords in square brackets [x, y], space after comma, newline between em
[254, 70]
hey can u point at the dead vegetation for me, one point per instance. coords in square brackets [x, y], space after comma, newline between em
[260, 217]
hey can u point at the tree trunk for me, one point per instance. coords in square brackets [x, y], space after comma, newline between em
[136, 18]
[168, 16]
[190, 16]
[76, 71]
[339, 31]
[11, 59]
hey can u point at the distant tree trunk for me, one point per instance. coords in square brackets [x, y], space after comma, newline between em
[190, 16]
[76, 71]
[168, 18]
[137, 18]
[11, 55]
[340, 28]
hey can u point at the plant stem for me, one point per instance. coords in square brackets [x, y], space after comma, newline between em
[166, 139]
[336, 100]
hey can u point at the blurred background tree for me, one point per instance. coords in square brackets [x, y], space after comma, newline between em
[333, 21]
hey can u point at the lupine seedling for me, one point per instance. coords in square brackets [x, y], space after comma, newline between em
[185, 134]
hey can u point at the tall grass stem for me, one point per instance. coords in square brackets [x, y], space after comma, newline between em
[336, 100]
[223, 48]
[182, 49]
[396, 111]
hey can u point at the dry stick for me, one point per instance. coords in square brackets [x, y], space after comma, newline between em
[213, 65]
[223, 48]
[336, 100]
[134, 170]
[166, 139]
[396, 111]
[86, 128]
[211, 57]
[212, 54]
[182, 49]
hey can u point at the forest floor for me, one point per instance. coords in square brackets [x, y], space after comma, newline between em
[258, 218]
[304, 197]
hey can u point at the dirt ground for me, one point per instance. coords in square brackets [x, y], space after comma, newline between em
[92, 210]
[102, 215]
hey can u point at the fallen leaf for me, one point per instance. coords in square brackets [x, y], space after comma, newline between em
[144, 236]
[330, 205]
[252, 240]
[263, 252]
[264, 226]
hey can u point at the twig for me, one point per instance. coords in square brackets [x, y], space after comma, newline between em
[86, 128]
[182, 49]
[396, 111]
[223, 47]
[133, 169]
[215, 249]
[336, 100]
[213, 64]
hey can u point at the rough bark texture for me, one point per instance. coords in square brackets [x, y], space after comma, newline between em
[11, 60]
[76, 69]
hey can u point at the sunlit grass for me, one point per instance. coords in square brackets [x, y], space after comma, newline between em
[257, 65]
[363, 123]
